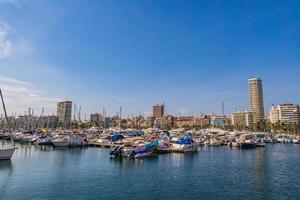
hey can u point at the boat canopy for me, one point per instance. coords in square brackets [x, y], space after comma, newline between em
[135, 133]
[152, 144]
[185, 140]
[116, 137]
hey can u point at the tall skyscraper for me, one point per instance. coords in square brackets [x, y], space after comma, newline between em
[158, 110]
[64, 112]
[256, 99]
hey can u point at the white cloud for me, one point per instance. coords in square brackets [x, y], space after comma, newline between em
[18, 47]
[11, 80]
[20, 95]
[5, 44]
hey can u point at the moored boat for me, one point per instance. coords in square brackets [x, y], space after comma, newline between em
[71, 141]
[7, 153]
[247, 142]
[186, 144]
[143, 153]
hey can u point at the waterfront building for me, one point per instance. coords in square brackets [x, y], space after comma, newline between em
[64, 113]
[274, 115]
[243, 119]
[150, 121]
[203, 120]
[158, 110]
[228, 121]
[25, 121]
[285, 113]
[256, 99]
[218, 121]
[48, 121]
[184, 121]
[96, 119]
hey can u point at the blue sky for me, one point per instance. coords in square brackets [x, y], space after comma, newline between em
[192, 55]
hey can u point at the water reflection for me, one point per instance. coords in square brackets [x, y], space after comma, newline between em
[128, 163]
[6, 165]
[261, 174]
[6, 172]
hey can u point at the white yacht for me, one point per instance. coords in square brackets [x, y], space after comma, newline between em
[7, 153]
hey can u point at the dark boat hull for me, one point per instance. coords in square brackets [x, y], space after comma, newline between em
[247, 145]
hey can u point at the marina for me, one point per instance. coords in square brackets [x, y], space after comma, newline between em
[152, 141]
[43, 172]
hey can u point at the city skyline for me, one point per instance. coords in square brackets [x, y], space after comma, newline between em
[122, 55]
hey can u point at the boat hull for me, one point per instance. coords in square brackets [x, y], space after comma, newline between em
[60, 144]
[7, 153]
[185, 147]
[215, 144]
[247, 145]
[143, 155]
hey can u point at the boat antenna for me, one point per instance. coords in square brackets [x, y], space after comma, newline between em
[41, 118]
[79, 114]
[223, 109]
[120, 125]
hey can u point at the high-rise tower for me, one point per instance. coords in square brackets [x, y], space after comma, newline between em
[64, 112]
[158, 110]
[256, 99]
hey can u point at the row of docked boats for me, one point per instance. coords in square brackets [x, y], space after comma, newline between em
[134, 143]
[48, 139]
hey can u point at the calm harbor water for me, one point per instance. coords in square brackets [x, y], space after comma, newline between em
[213, 173]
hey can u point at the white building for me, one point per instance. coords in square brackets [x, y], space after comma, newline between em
[285, 113]
[243, 119]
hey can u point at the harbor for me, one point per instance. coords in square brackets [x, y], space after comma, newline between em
[45, 172]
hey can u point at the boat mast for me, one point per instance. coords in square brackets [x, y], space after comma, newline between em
[5, 113]
[41, 118]
[120, 124]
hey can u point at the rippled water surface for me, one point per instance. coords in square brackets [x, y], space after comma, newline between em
[213, 173]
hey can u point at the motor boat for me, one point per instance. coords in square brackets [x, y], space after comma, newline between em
[44, 141]
[143, 153]
[296, 141]
[143, 150]
[186, 144]
[71, 141]
[261, 143]
[247, 142]
[140, 151]
[117, 151]
[29, 139]
[75, 141]
[60, 142]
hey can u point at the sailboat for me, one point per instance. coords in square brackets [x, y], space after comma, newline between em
[7, 152]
